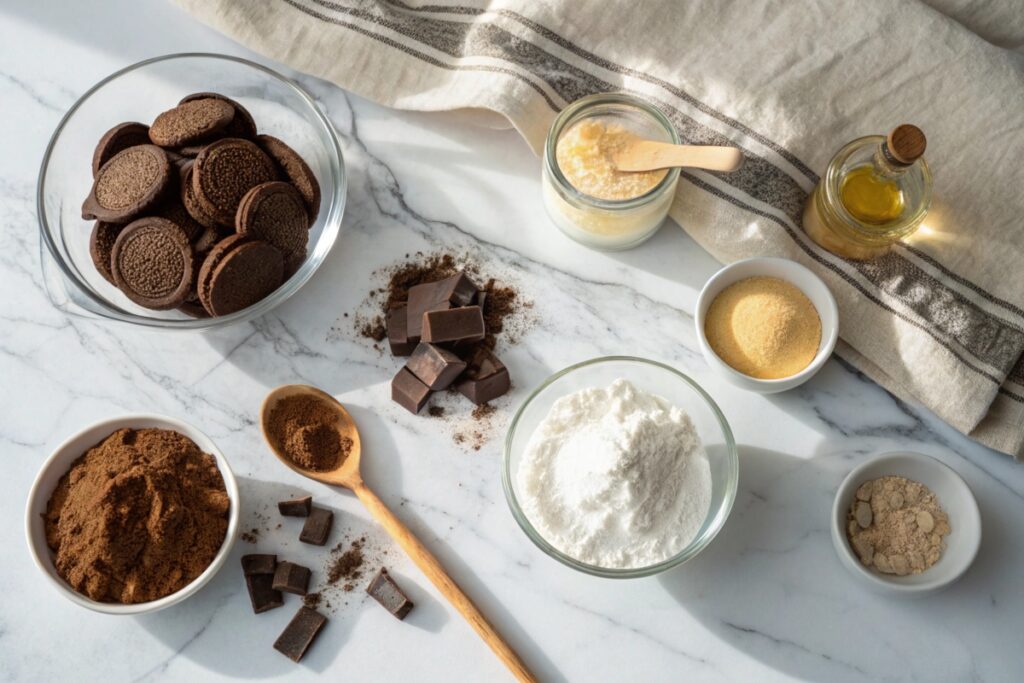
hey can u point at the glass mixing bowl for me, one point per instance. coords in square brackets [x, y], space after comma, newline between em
[658, 379]
[138, 93]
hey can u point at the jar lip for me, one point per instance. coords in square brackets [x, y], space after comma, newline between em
[831, 179]
[572, 113]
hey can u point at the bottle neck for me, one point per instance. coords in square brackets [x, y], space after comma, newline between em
[886, 164]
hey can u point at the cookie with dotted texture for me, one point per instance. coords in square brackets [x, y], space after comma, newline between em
[275, 213]
[191, 122]
[152, 263]
[117, 139]
[237, 273]
[224, 171]
[242, 124]
[128, 185]
[296, 170]
[101, 246]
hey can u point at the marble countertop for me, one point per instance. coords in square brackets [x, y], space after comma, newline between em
[768, 600]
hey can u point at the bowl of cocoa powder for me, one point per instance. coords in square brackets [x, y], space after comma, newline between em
[132, 514]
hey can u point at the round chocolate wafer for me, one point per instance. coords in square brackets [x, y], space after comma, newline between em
[119, 138]
[189, 151]
[296, 170]
[224, 171]
[241, 126]
[128, 185]
[237, 273]
[275, 213]
[152, 263]
[191, 204]
[191, 122]
[101, 246]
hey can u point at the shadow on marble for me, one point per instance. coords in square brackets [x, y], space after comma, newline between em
[496, 613]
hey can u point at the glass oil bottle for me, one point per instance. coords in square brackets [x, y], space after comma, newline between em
[876, 191]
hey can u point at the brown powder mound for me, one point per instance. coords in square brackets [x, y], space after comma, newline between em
[348, 565]
[138, 517]
[303, 428]
[312, 600]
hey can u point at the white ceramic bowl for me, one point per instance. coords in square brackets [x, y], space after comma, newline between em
[953, 495]
[60, 462]
[784, 269]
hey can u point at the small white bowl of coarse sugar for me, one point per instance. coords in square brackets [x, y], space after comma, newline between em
[766, 324]
[904, 523]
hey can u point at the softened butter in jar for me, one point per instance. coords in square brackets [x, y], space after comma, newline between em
[585, 196]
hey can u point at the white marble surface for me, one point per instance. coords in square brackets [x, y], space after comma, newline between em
[767, 601]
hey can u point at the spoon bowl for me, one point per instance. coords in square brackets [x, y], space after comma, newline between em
[347, 472]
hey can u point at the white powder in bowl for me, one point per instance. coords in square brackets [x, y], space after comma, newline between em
[616, 477]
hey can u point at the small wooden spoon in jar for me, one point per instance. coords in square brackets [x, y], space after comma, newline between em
[347, 474]
[649, 155]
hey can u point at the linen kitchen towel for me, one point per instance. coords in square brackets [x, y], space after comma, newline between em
[939, 319]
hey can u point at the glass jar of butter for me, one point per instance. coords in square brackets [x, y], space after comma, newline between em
[585, 196]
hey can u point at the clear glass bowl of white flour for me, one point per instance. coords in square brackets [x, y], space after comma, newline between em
[620, 467]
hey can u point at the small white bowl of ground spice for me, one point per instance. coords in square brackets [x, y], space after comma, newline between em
[766, 324]
[132, 514]
[905, 523]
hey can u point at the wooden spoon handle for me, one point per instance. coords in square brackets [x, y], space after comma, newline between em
[429, 565]
[648, 155]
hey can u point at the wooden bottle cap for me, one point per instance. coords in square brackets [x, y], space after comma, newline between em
[906, 143]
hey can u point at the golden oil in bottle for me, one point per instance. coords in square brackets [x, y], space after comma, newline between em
[876, 191]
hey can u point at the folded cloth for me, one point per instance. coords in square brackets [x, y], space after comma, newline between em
[940, 319]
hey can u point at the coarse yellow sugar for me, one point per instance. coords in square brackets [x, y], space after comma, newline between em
[585, 156]
[764, 327]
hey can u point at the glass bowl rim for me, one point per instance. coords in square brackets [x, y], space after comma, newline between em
[687, 553]
[332, 220]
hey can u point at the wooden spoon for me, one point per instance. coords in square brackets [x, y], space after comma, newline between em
[648, 155]
[347, 475]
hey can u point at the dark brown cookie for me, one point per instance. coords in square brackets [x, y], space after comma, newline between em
[293, 263]
[296, 170]
[206, 241]
[174, 210]
[274, 212]
[101, 246]
[132, 182]
[193, 309]
[189, 151]
[119, 138]
[241, 126]
[191, 122]
[237, 273]
[191, 204]
[153, 263]
[224, 171]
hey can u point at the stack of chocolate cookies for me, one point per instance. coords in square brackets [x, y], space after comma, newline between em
[441, 328]
[199, 212]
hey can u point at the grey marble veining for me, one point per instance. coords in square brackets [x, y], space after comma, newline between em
[767, 600]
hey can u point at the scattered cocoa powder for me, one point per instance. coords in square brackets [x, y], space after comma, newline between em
[312, 600]
[348, 565]
[137, 517]
[436, 411]
[303, 428]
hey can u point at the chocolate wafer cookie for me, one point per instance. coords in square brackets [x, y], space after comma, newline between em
[296, 170]
[119, 138]
[191, 122]
[237, 273]
[101, 246]
[274, 212]
[152, 263]
[132, 182]
[241, 126]
[224, 171]
[191, 204]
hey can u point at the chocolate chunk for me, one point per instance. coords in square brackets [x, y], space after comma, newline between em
[454, 325]
[408, 392]
[317, 527]
[398, 337]
[384, 590]
[298, 507]
[262, 593]
[462, 290]
[481, 300]
[259, 564]
[299, 634]
[485, 378]
[429, 296]
[434, 366]
[291, 578]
